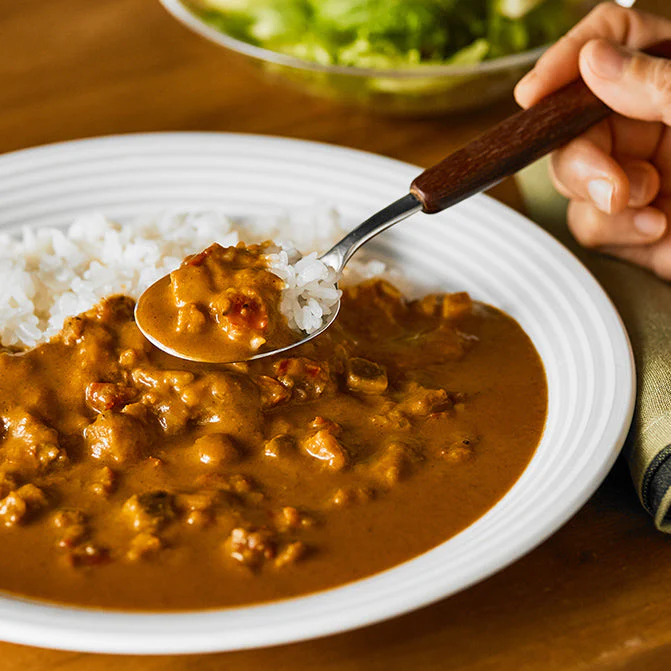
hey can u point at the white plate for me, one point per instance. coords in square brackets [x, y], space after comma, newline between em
[480, 245]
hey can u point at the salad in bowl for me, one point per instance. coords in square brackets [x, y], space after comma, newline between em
[406, 56]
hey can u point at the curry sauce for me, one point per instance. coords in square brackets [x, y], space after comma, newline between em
[222, 304]
[131, 479]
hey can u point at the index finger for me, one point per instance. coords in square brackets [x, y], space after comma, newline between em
[558, 66]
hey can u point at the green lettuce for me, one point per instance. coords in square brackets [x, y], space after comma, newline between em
[387, 34]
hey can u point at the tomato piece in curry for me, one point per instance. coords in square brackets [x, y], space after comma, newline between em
[130, 479]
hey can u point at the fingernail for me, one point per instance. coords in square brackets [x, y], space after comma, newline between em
[650, 223]
[601, 193]
[607, 60]
[638, 184]
[522, 85]
[527, 79]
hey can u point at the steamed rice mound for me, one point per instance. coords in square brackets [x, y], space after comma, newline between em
[49, 274]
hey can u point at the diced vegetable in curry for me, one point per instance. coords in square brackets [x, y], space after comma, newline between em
[131, 479]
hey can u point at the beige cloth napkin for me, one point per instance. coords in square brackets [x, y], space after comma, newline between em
[644, 302]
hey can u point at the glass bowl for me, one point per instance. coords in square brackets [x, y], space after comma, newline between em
[418, 90]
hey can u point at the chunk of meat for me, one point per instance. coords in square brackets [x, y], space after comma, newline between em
[458, 454]
[131, 338]
[418, 401]
[162, 381]
[233, 484]
[87, 555]
[198, 507]
[348, 496]
[230, 401]
[216, 449]
[13, 510]
[379, 292]
[72, 527]
[306, 378]
[29, 442]
[393, 464]
[456, 306]
[130, 357]
[104, 481]
[22, 504]
[273, 392]
[116, 437]
[319, 423]
[461, 446]
[291, 519]
[366, 377]
[251, 547]
[138, 411]
[101, 396]
[67, 517]
[290, 554]
[390, 418]
[8, 482]
[240, 313]
[73, 330]
[280, 447]
[172, 413]
[448, 306]
[190, 319]
[114, 309]
[144, 545]
[326, 448]
[149, 511]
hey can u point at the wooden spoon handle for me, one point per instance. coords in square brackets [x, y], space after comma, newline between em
[514, 143]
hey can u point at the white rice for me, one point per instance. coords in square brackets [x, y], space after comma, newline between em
[310, 293]
[48, 274]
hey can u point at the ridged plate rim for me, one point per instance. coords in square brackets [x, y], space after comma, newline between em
[511, 261]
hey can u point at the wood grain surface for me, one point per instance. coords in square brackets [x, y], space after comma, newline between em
[596, 595]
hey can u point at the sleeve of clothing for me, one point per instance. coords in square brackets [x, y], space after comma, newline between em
[649, 446]
[644, 303]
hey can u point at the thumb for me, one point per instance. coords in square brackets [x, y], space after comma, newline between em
[631, 83]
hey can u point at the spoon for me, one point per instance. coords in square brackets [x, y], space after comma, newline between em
[500, 152]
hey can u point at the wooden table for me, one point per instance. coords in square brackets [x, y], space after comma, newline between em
[597, 595]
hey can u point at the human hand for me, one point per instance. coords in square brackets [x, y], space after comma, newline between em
[617, 175]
